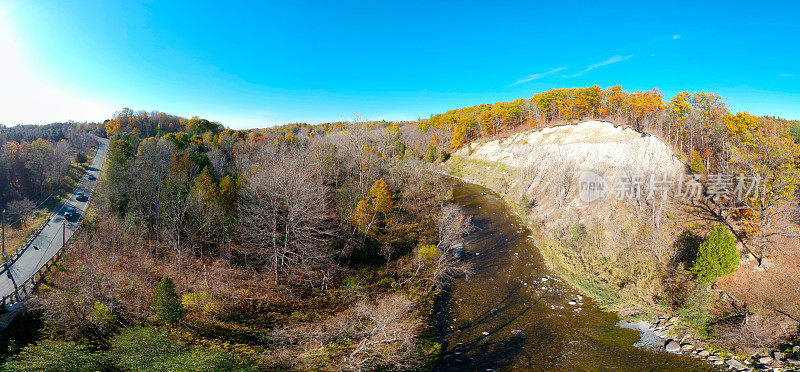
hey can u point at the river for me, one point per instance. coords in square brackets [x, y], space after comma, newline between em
[514, 314]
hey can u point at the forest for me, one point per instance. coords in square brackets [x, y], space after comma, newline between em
[305, 246]
[296, 247]
[39, 166]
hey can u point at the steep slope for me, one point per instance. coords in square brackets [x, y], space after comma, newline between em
[551, 167]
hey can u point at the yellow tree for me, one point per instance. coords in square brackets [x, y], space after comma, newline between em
[617, 100]
[487, 123]
[767, 154]
[742, 125]
[381, 198]
[644, 104]
[679, 109]
[376, 208]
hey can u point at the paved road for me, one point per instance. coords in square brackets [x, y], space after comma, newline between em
[51, 238]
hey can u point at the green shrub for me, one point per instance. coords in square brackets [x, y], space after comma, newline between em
[695, 310]
[443, 156]
[143, 349]
[717, 256]
[577, 231]
[52, 355]
[81, 158]
[428, 252]
[104, 315]
[525, 204]
[697, 165]
[148, 349]
[410, 154]
[351, 283]
[211, 361]
[166, 303]
[200, 303]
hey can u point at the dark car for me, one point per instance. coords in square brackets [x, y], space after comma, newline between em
[91, 177]
[70, 212]
[80, 196]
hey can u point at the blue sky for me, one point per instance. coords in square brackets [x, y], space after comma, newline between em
[264, 63]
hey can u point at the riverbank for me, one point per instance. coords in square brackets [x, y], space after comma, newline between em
[616, 253]
[516, 313]
[660, 332]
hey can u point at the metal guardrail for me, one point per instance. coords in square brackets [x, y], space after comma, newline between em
[29, 285]
[14, 256]
[7, 262]
[22, 291]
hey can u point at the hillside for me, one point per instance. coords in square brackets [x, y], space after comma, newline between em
[634, 247]
[548, 162]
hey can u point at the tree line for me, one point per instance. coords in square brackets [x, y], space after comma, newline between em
[36, 162]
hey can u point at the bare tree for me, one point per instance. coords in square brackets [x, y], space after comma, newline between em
[174, 203]
[453, 227]
[219, 161]
[62, 155]
[22, 209]
[386, 251]
[382, 334]
[387, 333]
[284, 214]
[150, 166]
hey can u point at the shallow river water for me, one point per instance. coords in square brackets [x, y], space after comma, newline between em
[514, 314]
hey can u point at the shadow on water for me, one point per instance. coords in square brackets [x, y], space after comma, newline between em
[514, 314]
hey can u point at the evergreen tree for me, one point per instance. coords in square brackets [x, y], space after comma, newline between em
[431, 155]
[717, 256]
[697, 165]
[795, 132]
[166, 303]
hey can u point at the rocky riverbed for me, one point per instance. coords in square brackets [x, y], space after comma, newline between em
[514, 313]
[669, 335]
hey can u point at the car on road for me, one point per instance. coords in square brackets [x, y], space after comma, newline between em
[80, 196]
[69, 213]
[90, 177]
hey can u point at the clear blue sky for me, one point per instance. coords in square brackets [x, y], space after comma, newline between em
[264, 63]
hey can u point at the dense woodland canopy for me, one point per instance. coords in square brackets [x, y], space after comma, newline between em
[279, 241]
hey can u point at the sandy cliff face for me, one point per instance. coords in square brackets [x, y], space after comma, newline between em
[596, 145]
[550, 166]
[612, 245]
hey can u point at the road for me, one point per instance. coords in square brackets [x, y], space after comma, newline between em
[15, 272]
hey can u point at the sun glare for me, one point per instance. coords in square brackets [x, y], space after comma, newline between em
[26, 96]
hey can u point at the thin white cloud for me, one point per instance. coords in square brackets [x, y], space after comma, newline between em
[612, 60]
[676, 37]
[786, 75]
[539, 75]
[609, 61]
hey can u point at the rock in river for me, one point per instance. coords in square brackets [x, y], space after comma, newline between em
[672, 346]
[735, 364]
